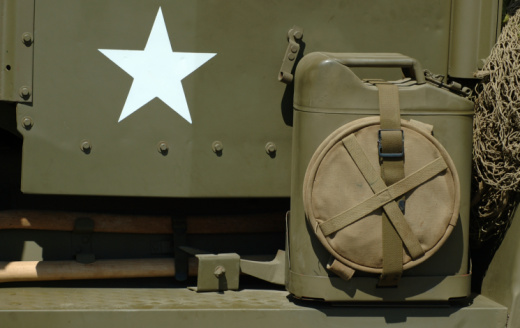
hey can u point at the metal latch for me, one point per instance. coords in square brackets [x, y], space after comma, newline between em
[454, 87]
[294, 36]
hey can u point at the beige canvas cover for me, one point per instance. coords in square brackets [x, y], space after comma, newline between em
[344, 199]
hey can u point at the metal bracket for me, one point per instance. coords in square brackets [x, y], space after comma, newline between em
[83, 228]
[272, 271]
[294, 36]
[218, 272]
[16, 50]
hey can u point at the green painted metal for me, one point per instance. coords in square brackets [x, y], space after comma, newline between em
[322, 105]
[237, 146]
[475, 28]
[94, 307]
[218, 272]
[234, 98]
[16, 50]
[271, 271]
[501, 282]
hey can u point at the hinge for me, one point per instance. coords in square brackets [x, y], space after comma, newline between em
[16, 50]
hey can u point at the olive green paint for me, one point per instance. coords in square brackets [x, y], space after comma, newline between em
[142, 307]
[475, 28]
[16, 50]
[501, 282]
[323, 104]
[234, 98]
[76, 95]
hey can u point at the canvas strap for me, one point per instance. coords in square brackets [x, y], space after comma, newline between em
[384, 196]
[392, 170]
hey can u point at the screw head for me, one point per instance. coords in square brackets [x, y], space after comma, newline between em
[86, 146]
[25, 92]
[270, 148]
[27, 38]
[298, 35]
[217, 146]
[219, 271]
[27, 123]
[162, 147]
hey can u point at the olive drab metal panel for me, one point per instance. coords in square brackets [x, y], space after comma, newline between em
[16, 50]
[475, 28]
[110, 116]
[321, 106]
[138, 307]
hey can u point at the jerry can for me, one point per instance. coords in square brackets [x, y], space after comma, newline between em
[380, 188]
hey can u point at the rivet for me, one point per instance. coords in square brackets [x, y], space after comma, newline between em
[219, 271]
[27, 123]
[162, 147]
[25, 92]
[217, 147]
[27, 38]
[294, 49]
[298, 35]
[85, 146]
[291, 56]
[270, 148]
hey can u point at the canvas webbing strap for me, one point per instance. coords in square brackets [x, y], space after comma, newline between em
[384, 196]
[391, 154]
[340, 269]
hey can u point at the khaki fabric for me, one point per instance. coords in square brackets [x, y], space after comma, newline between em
[334, 184]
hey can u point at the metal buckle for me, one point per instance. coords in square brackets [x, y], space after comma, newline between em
[380, 146]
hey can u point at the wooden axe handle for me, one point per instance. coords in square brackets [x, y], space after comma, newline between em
[142, 224]
[101, 269]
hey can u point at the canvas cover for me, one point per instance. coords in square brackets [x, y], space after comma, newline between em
[334, 189]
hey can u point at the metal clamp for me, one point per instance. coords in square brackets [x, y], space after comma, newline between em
[294, 36]
[380, 145]
[218, 272]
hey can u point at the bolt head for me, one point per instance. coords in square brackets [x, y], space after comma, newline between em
[217, 146]
[25, 92]
[270, 148]
[86, 146]
[219, 271]
[162, 147]
[27, 122]
[27, 38]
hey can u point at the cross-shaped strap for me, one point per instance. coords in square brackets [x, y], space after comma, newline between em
[384, 196]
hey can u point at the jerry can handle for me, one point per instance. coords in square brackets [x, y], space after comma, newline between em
[410, 66]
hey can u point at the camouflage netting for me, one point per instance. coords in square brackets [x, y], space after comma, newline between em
[496, 139]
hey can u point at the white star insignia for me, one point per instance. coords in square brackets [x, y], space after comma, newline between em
[157, 71]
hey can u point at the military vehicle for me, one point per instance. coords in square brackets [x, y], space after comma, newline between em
[153, 164]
